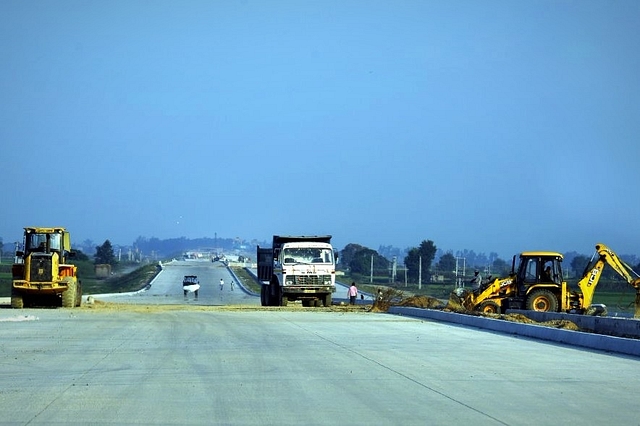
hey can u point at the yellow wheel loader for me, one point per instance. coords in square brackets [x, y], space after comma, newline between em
[41, 274]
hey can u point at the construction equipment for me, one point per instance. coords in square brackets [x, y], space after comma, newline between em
[297, 268]
[538, 285]
[41, 274]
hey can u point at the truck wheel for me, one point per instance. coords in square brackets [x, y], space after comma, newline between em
[275, 295]
[264, 295]
[69, 295]
[542, 301]
[17, 302]
[489, 307]
[326, 301]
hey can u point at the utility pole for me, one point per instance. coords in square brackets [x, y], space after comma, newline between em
[405, 275]
[420, 274]
[394, 269]
[460, 281]
[371, 276]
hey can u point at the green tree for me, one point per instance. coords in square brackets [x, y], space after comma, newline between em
[104, 254]
[425, 254]
[79, 255]
[579, 264]
[349, 253]
[361, 262]
[500, 268]
[447, 264]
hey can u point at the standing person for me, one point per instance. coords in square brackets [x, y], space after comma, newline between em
[352, 293]
[221, 284]
[477, 279]
[232, 283]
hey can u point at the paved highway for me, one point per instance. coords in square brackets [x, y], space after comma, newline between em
[177, 363]
[167, 287]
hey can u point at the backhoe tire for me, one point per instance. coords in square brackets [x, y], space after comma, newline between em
[70, 294]
[489, 307]
[17, 300]
[542, 301]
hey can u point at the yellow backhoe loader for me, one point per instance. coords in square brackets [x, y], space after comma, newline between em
[537, 284]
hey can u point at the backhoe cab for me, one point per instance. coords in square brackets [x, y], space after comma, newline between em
[41, 274]
[538, 285]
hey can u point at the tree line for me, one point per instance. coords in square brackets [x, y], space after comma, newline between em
[420, 265]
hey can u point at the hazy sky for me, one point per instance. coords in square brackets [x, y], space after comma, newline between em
[495, 126]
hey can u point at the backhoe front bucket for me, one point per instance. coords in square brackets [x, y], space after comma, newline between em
[455, 301]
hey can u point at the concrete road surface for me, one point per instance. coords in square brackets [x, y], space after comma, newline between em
[167, 287]
[177, 363]
[63, 366]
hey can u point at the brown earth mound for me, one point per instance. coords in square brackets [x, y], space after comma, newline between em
[421, 302]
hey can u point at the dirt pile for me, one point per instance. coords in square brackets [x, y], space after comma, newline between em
[421, 302]
[520, 318]
[103, 306]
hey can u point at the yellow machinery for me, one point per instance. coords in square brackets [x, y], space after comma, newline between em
[41, 274]
[538, 285]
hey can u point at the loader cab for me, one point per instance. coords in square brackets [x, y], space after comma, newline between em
[46, 240]
[539, 268]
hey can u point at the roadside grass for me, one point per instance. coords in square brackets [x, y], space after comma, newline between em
[135, 280]
[246, 278]
[126, 278]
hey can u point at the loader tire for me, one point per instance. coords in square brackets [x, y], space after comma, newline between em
[70, 294]
[17, 300]
[264, 295]
[542, 301]
[489, 307]
[79, 295]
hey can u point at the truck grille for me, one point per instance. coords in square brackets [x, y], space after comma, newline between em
[41, 269]
[310, 280]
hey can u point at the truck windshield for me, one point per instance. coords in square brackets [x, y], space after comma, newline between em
[307, 255]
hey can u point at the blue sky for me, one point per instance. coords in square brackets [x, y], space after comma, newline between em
[495, 126]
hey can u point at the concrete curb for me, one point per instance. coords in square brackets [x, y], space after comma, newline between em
[600, 342]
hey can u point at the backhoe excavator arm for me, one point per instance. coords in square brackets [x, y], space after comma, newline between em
[593, 272]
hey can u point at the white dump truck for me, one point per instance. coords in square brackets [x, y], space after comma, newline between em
[297, 268]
